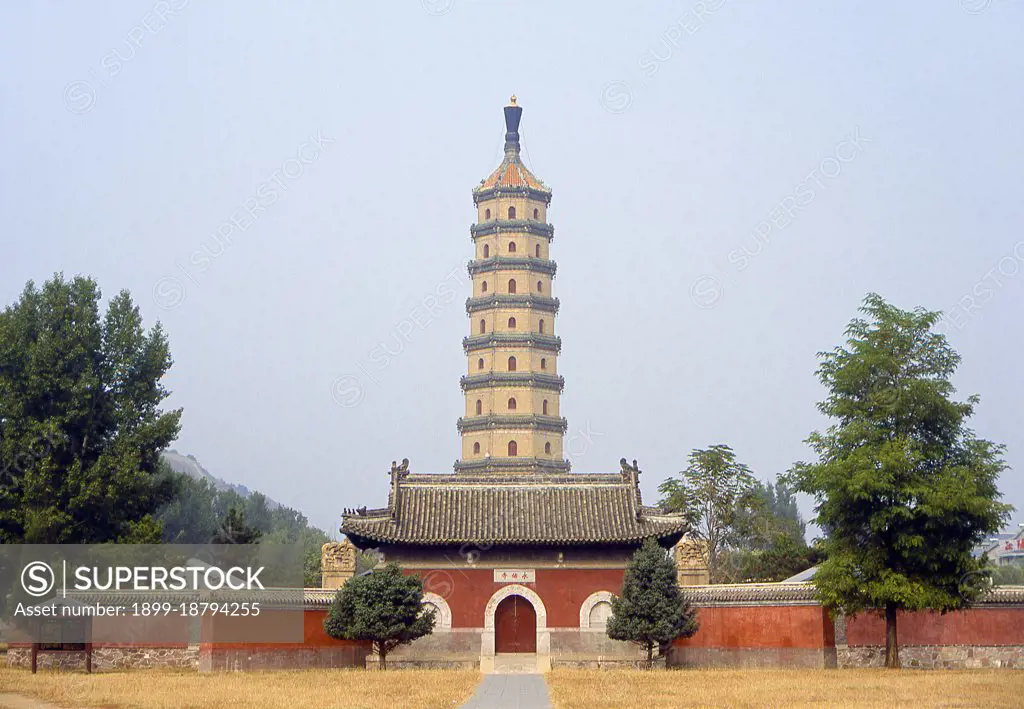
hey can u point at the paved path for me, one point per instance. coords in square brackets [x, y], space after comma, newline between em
[18, 701]
[510, 692]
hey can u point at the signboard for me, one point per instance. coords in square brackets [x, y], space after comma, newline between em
[515, 576]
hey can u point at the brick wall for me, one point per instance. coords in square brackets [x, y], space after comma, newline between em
[781, 625]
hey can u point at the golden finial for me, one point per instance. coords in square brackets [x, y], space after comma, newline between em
[512, 101]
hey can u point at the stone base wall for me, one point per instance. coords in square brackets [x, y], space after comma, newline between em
[936, 657]
[810, 658]
[245, 659]
[605, 664]
[110, 658]
[572, 646]
[373, 663]
[442, 648]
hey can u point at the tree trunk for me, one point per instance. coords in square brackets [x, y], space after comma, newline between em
[650, 655]
[892, 649]
[383, 654]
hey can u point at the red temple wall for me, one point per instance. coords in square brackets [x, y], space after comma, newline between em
[762, 627]
[977, 626]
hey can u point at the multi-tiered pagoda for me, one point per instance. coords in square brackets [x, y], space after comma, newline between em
[512, 422]
[519, 555]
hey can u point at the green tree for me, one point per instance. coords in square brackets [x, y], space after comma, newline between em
[769, 543]
[651, 611]
[189, 518]
[711, 493]
[235, 530]
[903, 487]
[1008, 575]
[81, 429]
[385, 607]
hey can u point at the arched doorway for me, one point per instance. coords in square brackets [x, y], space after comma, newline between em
[515, 626]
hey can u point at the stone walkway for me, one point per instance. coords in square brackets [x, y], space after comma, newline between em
[18, 701]
[513, 691]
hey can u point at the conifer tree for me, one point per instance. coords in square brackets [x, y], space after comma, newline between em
[383, 606]
[651, 611]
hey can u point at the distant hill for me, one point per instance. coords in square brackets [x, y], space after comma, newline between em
[193, 468]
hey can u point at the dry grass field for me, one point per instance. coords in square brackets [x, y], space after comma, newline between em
[300, 689]
[798, 689]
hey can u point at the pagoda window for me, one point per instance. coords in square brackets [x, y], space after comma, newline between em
[543, 407]
[483, 326]
[512, 285]
[511, 212]
[512, 247]
[479, 407]
[512, 404]
[543, 363]
[480, 363]
[513, 449]
[536, 214]
[540, 287]
[511, 323]
[541, 326]
[487, 250]
[487, 214]
[547, 447]
[537, 251]
[483, 287]
[476, 449]
[511, 364]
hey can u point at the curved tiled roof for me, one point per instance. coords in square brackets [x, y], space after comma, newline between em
[565, 509]
[512, 174]
[804, 593]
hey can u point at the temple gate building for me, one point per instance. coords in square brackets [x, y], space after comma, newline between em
[520, 557]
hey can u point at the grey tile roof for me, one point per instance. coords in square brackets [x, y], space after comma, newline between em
[544, 509]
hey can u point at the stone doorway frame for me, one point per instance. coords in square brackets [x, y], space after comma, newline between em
[543, 634]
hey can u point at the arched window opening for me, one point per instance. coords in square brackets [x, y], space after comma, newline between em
[483, 287]
[513, 449]
[487, 250]
[512, 285]
[512, 247]
[479, 407]
[536, 214]
[487, 214]
[543, 363]
[511, 323]
[540, 287]
[547, 448]
[480, 363]
[511, 212]
[600, 614]
[544, 407]
[541, 326]
[483, 326]
[512, 404]
[511, 364]
[476, 448]
[536, 251]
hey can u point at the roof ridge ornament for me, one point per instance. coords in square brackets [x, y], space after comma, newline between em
[629, 470]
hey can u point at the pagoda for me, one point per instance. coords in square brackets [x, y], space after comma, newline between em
[520, 557]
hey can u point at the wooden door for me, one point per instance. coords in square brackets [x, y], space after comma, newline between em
[515, 626]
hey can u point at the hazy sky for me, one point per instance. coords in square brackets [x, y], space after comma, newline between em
[872, 146]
